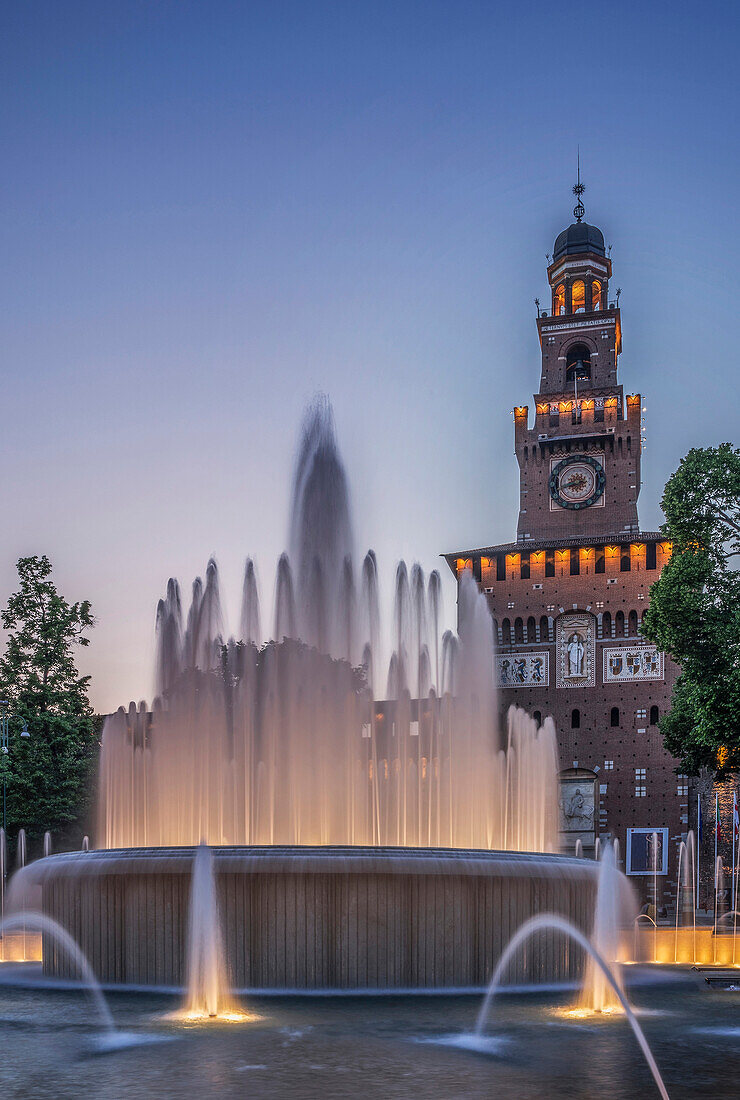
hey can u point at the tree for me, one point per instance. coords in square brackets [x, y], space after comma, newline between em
[48, 776]
[694, 612]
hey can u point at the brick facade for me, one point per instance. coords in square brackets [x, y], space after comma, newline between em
[568, 596]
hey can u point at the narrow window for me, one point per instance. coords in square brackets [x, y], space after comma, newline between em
[654, 716]
[518, 631]
[558, 301]
[524, 571]
[619, 624]
[500, 567]
[575, 563]
[596, 296]
[650, 556]
[579, 297]
[575, 719]
[538, 717]
[506, 632]
[615, 717]
[607, 624]
[544, 629]
[549, 563]
[624, 561]
[633, 624]
[599, 566]
[531, 629]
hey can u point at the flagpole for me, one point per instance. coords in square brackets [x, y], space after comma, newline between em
[716, 831]
[697, 847]
[734, 808]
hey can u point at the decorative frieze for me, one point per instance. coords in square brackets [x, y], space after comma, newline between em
[515, 669]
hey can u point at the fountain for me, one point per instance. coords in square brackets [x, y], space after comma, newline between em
[365, 832]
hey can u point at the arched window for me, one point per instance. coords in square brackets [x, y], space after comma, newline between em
[607, 624]
[654, 715]
[558, 300]
[633, 623]
[625, 563]
[518, 630]
[615, 716]
[544, 631]
[619, 624]
[506, 632]
[578, 296]
[495, 631]
[596, 296]
[538, 717]
[531, 629]
[575, 719]
[578, 364]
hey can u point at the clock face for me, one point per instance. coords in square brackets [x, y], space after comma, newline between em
[577, 482]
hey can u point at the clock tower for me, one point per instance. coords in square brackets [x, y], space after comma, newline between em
[567, 597]
[579, 464]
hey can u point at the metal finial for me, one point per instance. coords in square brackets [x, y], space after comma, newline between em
[579, 209]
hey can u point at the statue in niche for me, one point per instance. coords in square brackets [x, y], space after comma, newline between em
[576, 653]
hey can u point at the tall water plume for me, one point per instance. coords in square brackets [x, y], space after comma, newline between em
[320, 532]
[250, 617]
[207, 985]
[615, 908]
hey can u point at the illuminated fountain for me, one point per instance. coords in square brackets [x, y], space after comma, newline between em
[349, 814]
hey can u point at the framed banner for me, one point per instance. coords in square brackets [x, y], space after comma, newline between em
[647, 851]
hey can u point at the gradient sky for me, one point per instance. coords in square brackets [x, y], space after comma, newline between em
[212, 210]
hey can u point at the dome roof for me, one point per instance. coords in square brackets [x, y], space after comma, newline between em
[578, 237]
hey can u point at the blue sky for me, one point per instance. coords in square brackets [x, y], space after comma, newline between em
[210, 211]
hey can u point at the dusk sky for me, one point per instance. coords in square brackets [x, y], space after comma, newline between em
[212, 211]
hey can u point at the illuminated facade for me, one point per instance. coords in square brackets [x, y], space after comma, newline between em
[568, 596]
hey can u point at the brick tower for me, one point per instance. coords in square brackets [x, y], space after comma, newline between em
[568, 596]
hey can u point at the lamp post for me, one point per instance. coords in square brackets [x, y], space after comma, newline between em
[5, 717]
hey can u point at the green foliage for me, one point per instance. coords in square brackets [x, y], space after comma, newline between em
[48, 775]
[694, 609]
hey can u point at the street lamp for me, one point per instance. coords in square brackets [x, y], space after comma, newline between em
[5, 717]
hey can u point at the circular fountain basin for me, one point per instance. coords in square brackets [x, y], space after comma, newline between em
[319, 918]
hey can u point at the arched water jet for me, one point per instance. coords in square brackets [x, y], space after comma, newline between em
[45, 926]
[559, 924]
[635, 936]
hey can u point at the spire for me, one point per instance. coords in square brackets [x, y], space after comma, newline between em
[579, 209]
